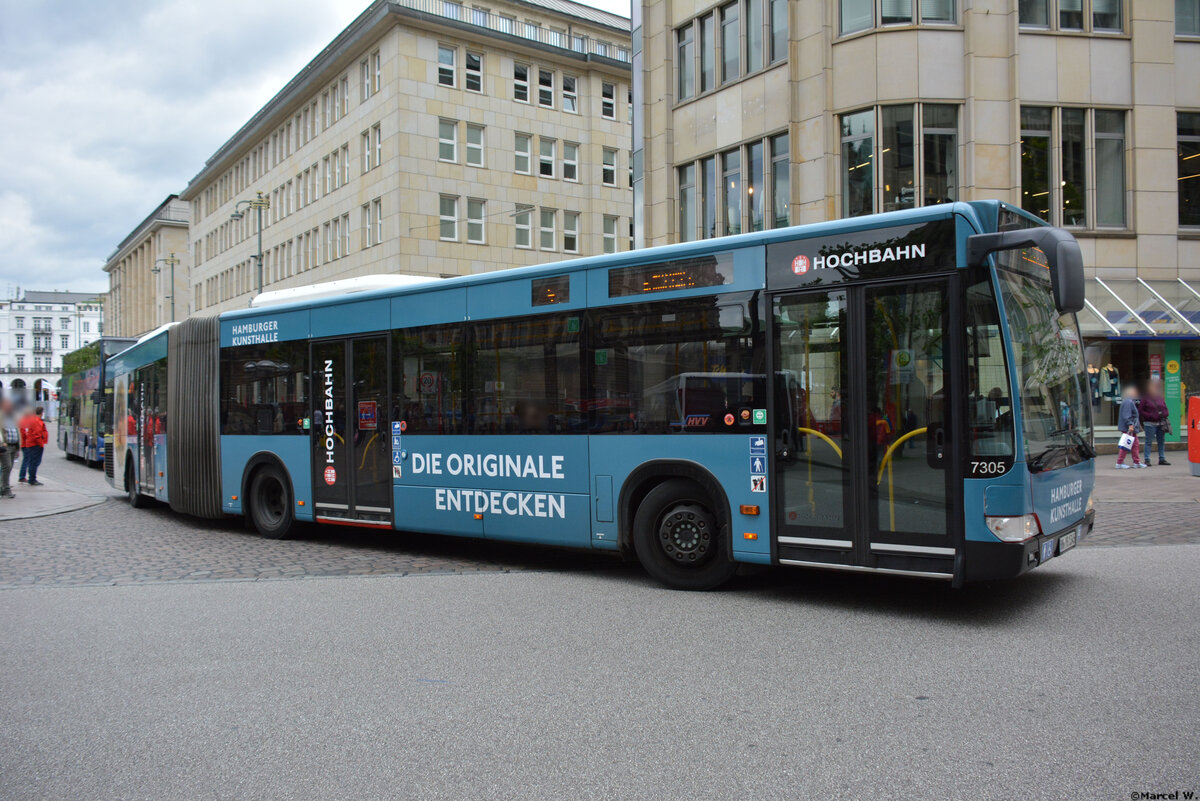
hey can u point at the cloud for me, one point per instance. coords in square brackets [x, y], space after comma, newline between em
[109, 107]
[112, 106]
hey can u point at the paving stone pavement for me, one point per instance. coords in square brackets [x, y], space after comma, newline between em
[112, 544]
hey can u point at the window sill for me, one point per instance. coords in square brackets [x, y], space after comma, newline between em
[1101, 233]
[926, 26]
[727, 84]
[1190, 234]
[1075, 34]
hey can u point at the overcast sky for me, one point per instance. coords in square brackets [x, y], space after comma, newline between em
[108, 107]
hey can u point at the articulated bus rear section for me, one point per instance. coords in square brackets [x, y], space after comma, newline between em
[895, 394]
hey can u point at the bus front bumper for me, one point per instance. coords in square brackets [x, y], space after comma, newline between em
[997, 560]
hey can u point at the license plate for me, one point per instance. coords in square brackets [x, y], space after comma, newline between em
[1047, 551]
[1067, 541]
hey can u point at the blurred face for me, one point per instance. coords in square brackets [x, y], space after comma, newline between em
[1130, 392]
[1155, 390]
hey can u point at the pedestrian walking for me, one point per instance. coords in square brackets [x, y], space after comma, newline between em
[10, 441]
[34, 437]
[1157, 421]
[1129, 424]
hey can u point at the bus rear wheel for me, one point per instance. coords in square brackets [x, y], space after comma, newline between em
[271, 503]
[136, 499]
[678, 540]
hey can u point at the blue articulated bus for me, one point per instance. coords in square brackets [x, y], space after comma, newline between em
[901, 393]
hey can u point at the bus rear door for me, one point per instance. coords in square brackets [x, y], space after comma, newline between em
[352, 473]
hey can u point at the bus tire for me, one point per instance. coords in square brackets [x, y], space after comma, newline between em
[678, 538]
[270, 499]
[136, 499]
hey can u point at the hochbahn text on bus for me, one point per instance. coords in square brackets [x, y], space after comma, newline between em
[901, 393]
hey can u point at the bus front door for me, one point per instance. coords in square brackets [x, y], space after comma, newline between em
[352, 478]
[868, 480]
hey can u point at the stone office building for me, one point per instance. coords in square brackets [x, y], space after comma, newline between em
[431, 138]
[764, 113]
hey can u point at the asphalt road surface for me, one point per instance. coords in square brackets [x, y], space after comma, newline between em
[513, 674]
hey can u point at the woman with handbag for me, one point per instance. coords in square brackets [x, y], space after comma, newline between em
[1128, 423]
[1156, 419]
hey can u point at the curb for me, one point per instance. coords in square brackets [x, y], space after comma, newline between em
[87, 503]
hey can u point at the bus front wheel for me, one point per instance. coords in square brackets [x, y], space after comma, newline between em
[678, 540]
[271, 503]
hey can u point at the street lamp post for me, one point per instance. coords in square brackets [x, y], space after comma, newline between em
[171, 260]
[258, 203]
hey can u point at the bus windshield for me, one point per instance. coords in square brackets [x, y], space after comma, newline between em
[1050, 372]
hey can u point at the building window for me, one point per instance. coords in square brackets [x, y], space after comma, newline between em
[376, 69]
[64, 323]
[345, 95]
[63, 340]
[708, 53]
[858, 15]
[1035, 161]
[345, 164]
[474, 72]
[1091, 143]
[1072, 15]
[448, 218]
[1074, 177]
[939, 153]
[610, 234]
[366, 227]
[364, 79]
[570, 164]
[570, 94]
[546, 148]
[912, 165]
[20, 361]
[521, 83]
[87, 327]
[474, 145]
[1188, 132]
[781, 186]
[521, 153]
[731, 46]
[687, 203]
[570, 233]
[546, 88]
[754, 35]
[1187, 17]
[345, 234]
[446, 68]
[686, 61]
[546, 228]
[779, 29]
[20, 322]
[755, 191]
[377, 209]
[523, 220]
[366, 151]
[475, 215]
[608, 167]
[708, 197]
[448, 141]
[608, 101]
[377, 132]
[20, 340]
[731, 188]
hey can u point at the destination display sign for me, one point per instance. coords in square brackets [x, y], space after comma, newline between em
[873, 253]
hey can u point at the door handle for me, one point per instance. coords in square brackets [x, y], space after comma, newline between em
[935, 447]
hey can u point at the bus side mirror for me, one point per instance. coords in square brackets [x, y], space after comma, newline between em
[1063, 259]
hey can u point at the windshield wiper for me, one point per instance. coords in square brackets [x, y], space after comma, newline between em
[1038, 463]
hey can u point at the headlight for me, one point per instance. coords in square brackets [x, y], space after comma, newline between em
[1091, 504]
[1014, 529]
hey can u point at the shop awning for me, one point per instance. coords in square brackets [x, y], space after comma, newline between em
[1139, 308]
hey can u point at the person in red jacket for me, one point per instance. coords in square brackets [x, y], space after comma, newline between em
[34, 437]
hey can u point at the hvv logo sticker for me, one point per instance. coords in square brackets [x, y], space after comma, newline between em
[800, 264]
